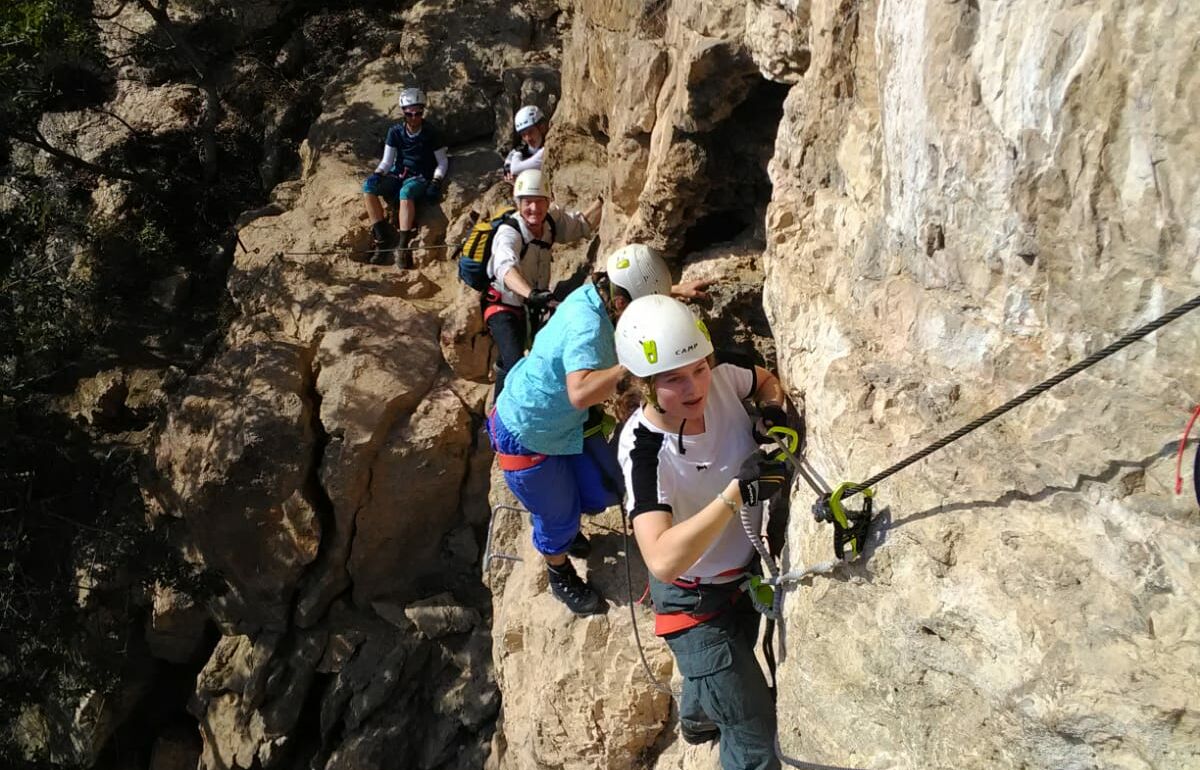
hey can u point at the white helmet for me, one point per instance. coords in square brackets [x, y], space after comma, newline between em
[530, 184]
[657, 334]
[412, 97]
[639, 270]
[527, 117]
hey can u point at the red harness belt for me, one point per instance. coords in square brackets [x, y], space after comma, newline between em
[670, 622]
[492, 304]
[681, 621]
[512, 462]
[518, 462]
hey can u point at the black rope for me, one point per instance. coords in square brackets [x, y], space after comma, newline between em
[637, 637]
[1036, 390]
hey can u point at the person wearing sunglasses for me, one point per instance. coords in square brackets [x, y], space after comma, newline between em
[414, 163]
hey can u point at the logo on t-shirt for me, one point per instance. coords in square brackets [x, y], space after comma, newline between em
[701, 466]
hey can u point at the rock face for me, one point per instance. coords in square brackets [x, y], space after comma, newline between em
[602, 714]
[320, 461]
[941, 203]
[963, 200]
[959, 210]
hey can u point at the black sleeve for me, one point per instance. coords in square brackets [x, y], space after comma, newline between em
[738, 358]
[644, 486]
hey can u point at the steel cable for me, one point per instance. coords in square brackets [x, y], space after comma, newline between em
[1031, 393]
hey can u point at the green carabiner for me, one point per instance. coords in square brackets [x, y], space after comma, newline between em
[851, 530]
[789, 436]
[762, 595]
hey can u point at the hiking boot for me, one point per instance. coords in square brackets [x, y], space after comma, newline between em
[699, 732]
[404, 257]
[579, 597]
[383, 239]
[581, 547]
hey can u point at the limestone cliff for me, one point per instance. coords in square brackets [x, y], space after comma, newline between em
[914, 211]
[966, 198]
[963, 199]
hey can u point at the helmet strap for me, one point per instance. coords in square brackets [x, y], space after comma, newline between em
[604, 289]
[652, 397]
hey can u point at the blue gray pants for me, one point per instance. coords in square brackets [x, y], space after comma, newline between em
[722, 680]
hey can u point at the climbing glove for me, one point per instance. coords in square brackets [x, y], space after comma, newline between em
[539, 300]
[760, 477]
[770, 416]
[433, 191]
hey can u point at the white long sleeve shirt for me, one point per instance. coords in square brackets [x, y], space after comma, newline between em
[517, 162]
[569, 226]
[391, 152]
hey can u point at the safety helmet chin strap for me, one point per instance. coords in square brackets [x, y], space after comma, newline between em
[652, 396]
[604, 289]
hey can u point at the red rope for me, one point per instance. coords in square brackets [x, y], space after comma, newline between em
[1179, 456]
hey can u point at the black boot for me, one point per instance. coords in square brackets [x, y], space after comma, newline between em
[404, 257]
[384, 240]
[581, 547]
[701, 732]
[579, 597]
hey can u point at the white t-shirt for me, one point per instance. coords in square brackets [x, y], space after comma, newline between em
[682, 474]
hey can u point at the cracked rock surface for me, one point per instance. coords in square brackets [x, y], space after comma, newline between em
[940, 203]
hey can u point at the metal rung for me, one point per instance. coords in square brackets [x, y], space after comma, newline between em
[488, 556]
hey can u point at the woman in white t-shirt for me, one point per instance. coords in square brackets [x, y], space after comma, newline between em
[691, 461]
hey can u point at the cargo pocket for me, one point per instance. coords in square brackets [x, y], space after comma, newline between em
[700, 658]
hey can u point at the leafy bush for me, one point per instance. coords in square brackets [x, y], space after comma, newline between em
[46, 315]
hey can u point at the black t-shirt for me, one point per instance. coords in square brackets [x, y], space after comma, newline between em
[414, 152]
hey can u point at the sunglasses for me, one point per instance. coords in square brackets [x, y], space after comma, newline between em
[414, 113]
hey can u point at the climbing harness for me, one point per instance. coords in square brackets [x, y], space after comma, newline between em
[1187, 432]
[509, 462]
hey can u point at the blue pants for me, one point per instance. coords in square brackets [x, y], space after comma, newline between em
[392, 188]
[558, 490]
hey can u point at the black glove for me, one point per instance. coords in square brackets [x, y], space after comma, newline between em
[539, 299]
[770, 416]
[760, 477]
[433, 191]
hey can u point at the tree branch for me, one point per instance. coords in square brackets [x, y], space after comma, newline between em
[213, 111]
[113, 15]
[40, 142]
